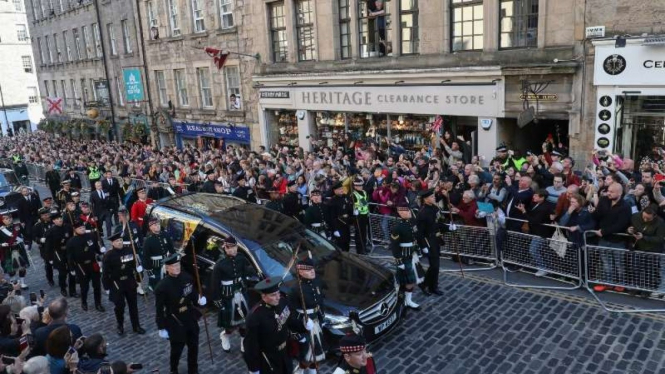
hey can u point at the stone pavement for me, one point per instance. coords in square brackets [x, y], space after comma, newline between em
[478, 326]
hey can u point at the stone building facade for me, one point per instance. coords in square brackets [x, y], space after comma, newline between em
[19, 91]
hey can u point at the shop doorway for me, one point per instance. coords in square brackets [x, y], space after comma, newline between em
[641, 125]
[532, 136]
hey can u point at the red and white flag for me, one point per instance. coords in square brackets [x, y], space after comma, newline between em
[438, 122]
[218, 56]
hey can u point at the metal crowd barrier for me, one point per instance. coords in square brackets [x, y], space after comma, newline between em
[471, 242]
[627, 269]
[380, 226]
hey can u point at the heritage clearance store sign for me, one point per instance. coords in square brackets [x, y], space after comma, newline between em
[464, 100]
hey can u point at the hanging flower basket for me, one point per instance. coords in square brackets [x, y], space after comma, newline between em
[139, 132]
[126, 131]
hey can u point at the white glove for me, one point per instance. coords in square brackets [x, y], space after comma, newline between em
[202, 300]
[5, 244]
[50, 262]
[453, 227]
[72, 272]
[27, 247]
[139, 269]
[424, 250]
[102, 249]
[309, 325]
[401, 266]
[336, 234]
[163, 334]
[42, 240]
[88, 231]
[304, 339]
[355, 212]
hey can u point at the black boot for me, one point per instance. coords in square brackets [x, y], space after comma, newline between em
[63, 292]
[100, 308]
[139, 330]
[424, 289]
[121, 329]
[84, 306]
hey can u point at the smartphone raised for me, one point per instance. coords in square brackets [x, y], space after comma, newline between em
[8, 360]
[33, 297]
[136, 366]
[42, 294]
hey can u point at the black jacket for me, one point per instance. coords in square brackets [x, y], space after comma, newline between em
[537, 215]
[612, 219]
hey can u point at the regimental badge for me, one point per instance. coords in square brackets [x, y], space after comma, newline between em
[89, 243]
[282, 318]
[187, 290]
[614, 64]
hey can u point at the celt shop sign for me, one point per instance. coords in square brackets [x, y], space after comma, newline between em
[471, 100]
[633, 65]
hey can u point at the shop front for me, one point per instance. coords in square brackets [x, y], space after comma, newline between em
[209, 136]
[630, 97]
[410, 114]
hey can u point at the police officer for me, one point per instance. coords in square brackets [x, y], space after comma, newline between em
[209, 184]
[176, 314]
[119, 269]
[361, 215]
[56, 253]
[307, 301]
[341, 210]
[64, 194]
[39, 235]
[268, 327]
[355, 358]
[12, 246]
[291, 201]
[156, 247]
[132, 238]
[429, 231]
[82, 251]
[243, 191]
[275, 202]
[227, 286]
[94, 174]
[404, 249]
[315, 214]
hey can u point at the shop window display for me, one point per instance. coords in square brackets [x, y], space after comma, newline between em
[288, 129]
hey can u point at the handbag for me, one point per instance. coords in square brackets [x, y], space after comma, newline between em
[559, 243]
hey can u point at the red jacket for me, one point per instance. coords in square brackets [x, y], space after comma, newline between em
[138, 211]
[468, 213]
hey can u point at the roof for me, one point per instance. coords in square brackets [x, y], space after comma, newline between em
[201, 203]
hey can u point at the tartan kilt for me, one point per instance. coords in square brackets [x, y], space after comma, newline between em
[229, 316]
[407, 275]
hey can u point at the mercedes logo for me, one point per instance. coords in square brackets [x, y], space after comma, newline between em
[384, 310]
[614, 64]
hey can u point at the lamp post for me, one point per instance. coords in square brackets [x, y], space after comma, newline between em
[4, 110]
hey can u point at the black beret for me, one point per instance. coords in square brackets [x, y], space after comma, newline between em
[426, 193]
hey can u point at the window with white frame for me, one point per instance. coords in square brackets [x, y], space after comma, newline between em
[33, 95]
[126, 36]
[96, 39]
[77, 45]
[118, 85]
[110, 30]
[174, 23]
[87, 50]
[226, 13]
[56, 49]
[203, 75]
[27, 63]
[43, 6]
[305, 29]
[21, 33]
[46, 90]
[161, 88]
[75, 93]
[278, 32]
[49, 49]
[467, 25]
[63, 89]
[18, 6]
[152, 16]
[197, 15]
[232, 74]
[66, 46]
[181, 87]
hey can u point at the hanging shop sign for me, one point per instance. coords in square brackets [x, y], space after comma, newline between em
[540, 97]
[226, 132]
[133, 84]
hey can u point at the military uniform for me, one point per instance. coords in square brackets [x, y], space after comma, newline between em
[429, 231]
[82, 252]
[208, 185]
[39, 235]
[341, 211]
[291, 203]
[56, 254]
[405, 252]
[309, 296]
[177, 316]
[353, 344]
[275, 204]
[14, 256]
[156, 247]
[361, 216]
[64, 194]
[244, 192]
[119, 268]
[268, 328]
[315, 218]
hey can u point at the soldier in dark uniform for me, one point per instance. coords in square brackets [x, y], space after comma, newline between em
[341, 211]
[56, 254]
[243, 191]
[76, 198]
[404, 249]
[275, 202]
[47, 203]
[92, 225]
[119, 269]
[268, 327]
[176, 314]
[82, 252]
[355, 358]
[156, 247]
[70, 215]
[227, 286]
[429, 231]
[315, 215]
[132, 238]
[307, 301]
[15, 258]
[39, 235]
[74, 179]
[195, 184]
[64, 194]
[209, 184]
[291, 201]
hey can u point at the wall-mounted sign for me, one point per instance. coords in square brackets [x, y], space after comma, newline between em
[133, 84]
[228, 133]
[595, 32]
[274, 94]
[539, 97]
[633, 65]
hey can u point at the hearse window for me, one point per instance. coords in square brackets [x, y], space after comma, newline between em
[177, 231]
[213, 249]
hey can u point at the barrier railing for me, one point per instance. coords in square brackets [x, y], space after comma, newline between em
[611, 265]
[470, 242]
